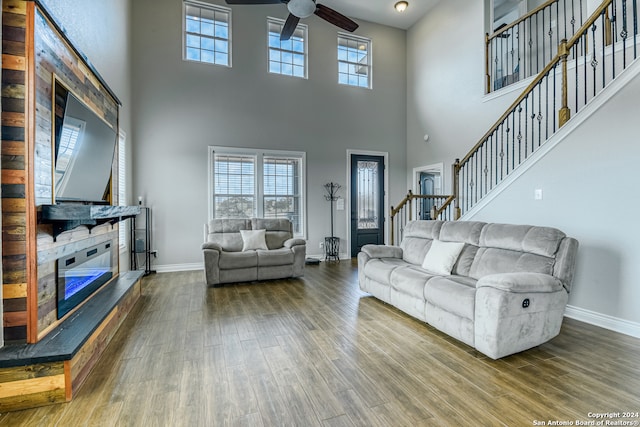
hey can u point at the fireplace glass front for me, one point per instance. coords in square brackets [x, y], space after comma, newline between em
[81, 274]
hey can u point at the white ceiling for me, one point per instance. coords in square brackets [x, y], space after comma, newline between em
[382, 11]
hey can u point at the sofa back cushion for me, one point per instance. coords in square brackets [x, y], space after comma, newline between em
[226, 233]
[278, 230]
[416, 239]
[467, 232]
[506, 248]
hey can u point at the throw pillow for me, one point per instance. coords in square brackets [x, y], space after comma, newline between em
[442, 256]
[253, 239]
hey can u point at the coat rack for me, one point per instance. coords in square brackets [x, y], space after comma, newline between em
[332, 244]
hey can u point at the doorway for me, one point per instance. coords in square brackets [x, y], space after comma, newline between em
[367, 201]
[428, 180]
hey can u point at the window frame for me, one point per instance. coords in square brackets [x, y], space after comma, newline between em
[300, 26]
[259, 193]
[369, 65]
[214, 8]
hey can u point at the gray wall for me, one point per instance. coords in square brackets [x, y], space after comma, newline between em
[180, 108]
[588, 185]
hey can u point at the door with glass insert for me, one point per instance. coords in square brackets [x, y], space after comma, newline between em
[367, 201]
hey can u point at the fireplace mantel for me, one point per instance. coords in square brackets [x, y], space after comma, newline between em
[65, 217]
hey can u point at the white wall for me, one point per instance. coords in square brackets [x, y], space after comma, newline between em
[588, 182]
[181, 107]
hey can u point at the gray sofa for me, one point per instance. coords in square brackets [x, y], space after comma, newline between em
[225, 261]
[506, 292]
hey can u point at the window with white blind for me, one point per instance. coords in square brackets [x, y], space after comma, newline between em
[207, 33]
[249, 183]
[354, 60]
[288, 57]
[122, 186]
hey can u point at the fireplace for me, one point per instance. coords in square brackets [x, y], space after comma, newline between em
[81, 274]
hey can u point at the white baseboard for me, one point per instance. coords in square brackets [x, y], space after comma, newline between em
[170, 268]
[604, 321]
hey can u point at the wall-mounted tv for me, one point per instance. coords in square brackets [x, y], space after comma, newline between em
[84, 146]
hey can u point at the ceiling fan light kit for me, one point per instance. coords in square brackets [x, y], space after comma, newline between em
[401, 6]
[303, 9]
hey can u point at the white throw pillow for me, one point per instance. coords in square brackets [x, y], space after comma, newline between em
[442, 256]
[253, 239]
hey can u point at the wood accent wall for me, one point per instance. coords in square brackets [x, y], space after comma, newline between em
[33, 51]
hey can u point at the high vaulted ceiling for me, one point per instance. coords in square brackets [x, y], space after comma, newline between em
[382, 11]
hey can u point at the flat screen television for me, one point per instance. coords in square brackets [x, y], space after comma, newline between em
[84, 146]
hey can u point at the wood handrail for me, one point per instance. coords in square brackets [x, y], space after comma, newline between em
[569, 44]
[522, 18]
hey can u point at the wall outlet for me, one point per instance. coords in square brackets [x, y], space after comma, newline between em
[537, 194]
[321, 245]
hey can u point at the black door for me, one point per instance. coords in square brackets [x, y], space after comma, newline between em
[367, 201]
[427, 187]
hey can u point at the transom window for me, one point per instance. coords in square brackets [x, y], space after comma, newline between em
[287, 57]
[249, 183]
[354, 60]
[207, 33]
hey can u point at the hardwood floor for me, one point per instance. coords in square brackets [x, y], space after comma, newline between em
[318, 352]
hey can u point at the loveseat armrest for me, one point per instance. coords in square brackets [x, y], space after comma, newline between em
[382, 251]
[520, 282]
[212, 245]
[289, 243]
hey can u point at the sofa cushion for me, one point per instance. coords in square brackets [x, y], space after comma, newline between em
[496, 261]
[410, 281]
[416, 239]
[380, 269]
[461, 231]
[229, 260]
[522, 238]
[455, 294]
[226, 233]
[442, 256]
[282, 256]
[253, 239]
[278, 230]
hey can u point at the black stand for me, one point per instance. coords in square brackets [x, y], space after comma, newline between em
[141, 241]
[332, 244]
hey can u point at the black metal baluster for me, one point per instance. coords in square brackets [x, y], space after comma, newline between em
[530, 43]
[513, 138]
[539, 118]
[546, 106]
[584, 65]
[491, 159]
[624, 34]
[501, 152]
[594, 61]
[526, 123]
[564, 18]
[554, 97]
[537, 48]
[614, 26]
[604, 33]
[635, 29]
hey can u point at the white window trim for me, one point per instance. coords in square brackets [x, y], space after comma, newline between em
[259, 154]
[369, 57]
[209, 6]
[306, 47]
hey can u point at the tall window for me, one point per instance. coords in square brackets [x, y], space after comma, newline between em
[287, 57]
[354, 60]
[122, 186]
[207, 33]
[252, 183]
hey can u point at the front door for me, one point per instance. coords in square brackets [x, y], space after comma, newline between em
[367, 201]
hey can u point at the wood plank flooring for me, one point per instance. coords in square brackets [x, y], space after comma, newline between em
[318, 352]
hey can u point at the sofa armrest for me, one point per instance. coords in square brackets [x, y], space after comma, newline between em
[382, 251]
[294, 242]
[211, 245]
[521, 282]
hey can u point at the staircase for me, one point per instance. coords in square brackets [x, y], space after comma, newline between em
[597, 53]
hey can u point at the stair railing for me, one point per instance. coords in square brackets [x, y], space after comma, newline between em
[521, 49]
[406, 210]
[603, 47]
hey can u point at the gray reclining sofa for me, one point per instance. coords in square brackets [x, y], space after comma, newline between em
[506, 292]
[225, 261]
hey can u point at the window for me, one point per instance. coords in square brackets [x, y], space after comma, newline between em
[207, 33]
[354, 61]
[252, 183]
[122, 186]
[287, 57]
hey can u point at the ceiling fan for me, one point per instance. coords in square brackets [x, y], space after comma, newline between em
[303, 9]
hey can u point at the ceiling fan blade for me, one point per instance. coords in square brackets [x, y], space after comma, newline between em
[254, 1]
[337, 19]
[289, 27]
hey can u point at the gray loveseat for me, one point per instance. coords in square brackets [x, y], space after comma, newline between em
[225, 261]
[506, 292]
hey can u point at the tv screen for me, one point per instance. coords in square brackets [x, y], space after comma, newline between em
[84, 150]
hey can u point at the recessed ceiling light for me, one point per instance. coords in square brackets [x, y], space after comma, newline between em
[401, 6]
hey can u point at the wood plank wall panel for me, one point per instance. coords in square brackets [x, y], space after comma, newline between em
[13, 153]
[27, 172]
[33, 385]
